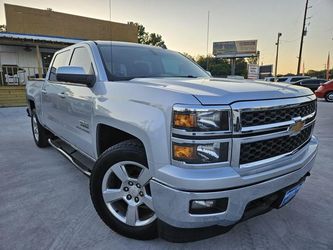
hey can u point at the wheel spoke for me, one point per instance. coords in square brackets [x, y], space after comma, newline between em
[144, 177]
[110, 195]
[132, 215]
[148, 201]
[120, 172]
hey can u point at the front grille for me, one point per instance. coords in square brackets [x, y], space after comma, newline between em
[260, 150]
[263, 117]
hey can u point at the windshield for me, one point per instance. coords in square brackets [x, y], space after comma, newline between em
[127, 62]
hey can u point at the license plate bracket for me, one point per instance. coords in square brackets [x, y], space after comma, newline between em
[290, 194]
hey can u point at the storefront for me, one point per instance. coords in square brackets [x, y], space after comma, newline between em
[27, 56]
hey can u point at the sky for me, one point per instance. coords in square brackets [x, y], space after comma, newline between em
[183, 24]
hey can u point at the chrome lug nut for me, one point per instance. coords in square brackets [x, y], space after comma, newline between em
[130, 183]
[128, 197]
[136, 199]
[141, 193]
[138, 185]
[126, 189]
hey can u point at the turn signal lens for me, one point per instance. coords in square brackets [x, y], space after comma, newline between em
[185, 120]
[183, 152]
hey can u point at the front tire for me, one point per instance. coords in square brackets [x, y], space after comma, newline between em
[120, 191]
[40, 134]
[329, 96]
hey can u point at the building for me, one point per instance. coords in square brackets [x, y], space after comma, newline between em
[32, 37]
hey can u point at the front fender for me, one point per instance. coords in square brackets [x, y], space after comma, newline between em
[150, 124]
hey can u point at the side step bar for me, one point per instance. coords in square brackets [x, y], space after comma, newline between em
[76, 163]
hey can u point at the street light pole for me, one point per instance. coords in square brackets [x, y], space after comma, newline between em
[277, 54]
[302, 37]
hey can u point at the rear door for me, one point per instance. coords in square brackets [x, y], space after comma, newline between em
[52, 100]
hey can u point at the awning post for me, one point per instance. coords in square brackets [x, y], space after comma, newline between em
[38, 57]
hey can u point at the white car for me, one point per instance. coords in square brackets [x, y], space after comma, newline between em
[291, 79]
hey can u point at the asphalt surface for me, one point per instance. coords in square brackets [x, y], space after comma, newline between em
[45, 203]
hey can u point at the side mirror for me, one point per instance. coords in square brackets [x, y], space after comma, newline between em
[75, 75]
[208, 72]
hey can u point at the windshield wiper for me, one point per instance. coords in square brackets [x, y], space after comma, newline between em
[185, 76]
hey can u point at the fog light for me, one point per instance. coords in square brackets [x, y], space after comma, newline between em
[208, 206]
[203, 204]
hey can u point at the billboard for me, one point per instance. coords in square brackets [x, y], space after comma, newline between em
[266, 70]
[232, 49]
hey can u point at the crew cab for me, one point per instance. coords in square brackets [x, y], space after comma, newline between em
[167, 147]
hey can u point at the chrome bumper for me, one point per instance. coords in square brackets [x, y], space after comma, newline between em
[172, 205]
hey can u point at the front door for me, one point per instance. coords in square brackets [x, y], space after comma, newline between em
[78, 101]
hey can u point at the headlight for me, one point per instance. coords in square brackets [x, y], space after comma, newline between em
[200, 120]
[201, 153]
[196, 134]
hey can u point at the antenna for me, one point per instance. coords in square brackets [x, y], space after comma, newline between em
[207, 40]
[109, 10]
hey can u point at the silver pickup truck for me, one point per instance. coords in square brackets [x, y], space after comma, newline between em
[168, 147]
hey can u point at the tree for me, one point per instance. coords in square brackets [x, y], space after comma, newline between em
[145, 37]
[217, 67]
[241, 67]
[188, 56]
[3, 28]
[155, 40]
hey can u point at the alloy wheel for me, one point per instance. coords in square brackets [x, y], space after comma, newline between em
[126, 193]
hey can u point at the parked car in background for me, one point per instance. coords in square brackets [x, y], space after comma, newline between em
[269, 79]
[291, 79]
[325, 91]
[312, 83]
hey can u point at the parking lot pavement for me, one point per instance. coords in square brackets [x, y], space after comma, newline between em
[45, 203]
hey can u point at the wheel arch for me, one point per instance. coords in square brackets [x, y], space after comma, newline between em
[108, 136]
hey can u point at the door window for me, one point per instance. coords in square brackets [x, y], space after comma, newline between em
[60, 60]
[81, 58]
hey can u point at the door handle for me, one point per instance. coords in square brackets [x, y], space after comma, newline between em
[44, 91]
[62, 95]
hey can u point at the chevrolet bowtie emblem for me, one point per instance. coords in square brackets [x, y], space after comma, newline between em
[296, 127]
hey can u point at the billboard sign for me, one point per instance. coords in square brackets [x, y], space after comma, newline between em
[233, 49]
[266, 70]
[253, 71]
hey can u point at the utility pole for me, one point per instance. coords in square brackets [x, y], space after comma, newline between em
[207, 41]
[302, 37]
[277, 54]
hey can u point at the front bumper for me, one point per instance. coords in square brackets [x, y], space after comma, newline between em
[320, 93]
[172, 205]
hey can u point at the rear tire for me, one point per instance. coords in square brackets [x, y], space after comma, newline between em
[329, 96]
[40, 134]
[120, 191]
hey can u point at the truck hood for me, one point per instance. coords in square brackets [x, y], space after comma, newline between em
[215, 91]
